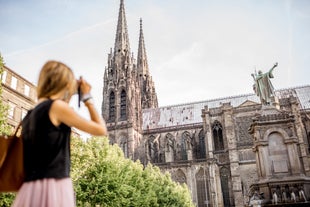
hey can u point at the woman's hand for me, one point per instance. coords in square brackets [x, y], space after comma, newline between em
[85, 87]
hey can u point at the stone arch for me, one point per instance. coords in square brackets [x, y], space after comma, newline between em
[274, 129]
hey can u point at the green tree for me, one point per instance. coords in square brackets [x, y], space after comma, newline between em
[3, 108]
[6, 199]
[103, 176]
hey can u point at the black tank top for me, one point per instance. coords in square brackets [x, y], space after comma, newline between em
[46, 147]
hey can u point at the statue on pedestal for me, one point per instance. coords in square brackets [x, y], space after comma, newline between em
[263, 86]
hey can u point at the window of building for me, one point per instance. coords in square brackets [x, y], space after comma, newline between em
[112, 106]
[123, 105]
[225, 176]
[11, 111]
[179, 176]
[24, 113]
[217, 132]
[202, 146]
[14, 83]
[184, 146]
[202, 192]
[27, 90]
[3, 77]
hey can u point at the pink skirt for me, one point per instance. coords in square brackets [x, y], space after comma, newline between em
[46, 192]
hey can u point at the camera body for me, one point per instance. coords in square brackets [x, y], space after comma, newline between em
[79, 92]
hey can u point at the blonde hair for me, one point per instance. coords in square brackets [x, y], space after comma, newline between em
[54, 77]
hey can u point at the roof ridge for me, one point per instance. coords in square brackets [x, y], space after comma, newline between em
[229, 97]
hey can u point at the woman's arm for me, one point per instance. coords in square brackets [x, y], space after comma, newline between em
[61, 112]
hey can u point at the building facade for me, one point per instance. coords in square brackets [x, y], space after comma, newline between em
[229, 151]
[18, 94]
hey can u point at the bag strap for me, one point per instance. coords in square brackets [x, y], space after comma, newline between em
[17, 128]
[20, 124]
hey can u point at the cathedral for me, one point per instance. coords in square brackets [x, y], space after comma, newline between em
[233, 151]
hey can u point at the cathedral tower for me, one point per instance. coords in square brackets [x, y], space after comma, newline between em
[126, 86]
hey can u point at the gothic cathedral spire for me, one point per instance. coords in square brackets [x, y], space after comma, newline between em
[147, 88]
[121, 104]
[121, 38]
[142, 65]
[127, 89]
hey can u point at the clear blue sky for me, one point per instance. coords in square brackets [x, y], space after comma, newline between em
[197, 50]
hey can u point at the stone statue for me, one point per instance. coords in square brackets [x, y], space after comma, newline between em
[275, 198]
[263, 86]
[302, 195]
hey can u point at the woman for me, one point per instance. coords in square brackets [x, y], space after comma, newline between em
[46, 135]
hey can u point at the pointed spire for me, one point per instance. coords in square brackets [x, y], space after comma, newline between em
[142, 64]
[121, 38]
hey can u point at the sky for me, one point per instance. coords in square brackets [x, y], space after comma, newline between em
[197, 50]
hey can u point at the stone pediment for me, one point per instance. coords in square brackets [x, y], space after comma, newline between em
[248, 103]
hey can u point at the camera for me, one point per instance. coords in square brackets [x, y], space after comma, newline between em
[79, 92]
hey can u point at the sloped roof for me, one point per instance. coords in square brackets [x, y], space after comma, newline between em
[190, 113]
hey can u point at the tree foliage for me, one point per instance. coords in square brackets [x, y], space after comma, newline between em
[103, 176]
[3, 108]
[6, 199]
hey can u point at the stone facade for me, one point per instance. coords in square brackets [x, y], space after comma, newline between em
[18, 93]
[226, 150]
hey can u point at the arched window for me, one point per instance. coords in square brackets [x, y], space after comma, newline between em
[217, 132]
[179, 176]
[112, 106]
[225, 176]
[202, 188]
[202, 146]
[123, 105]
[185, 145]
